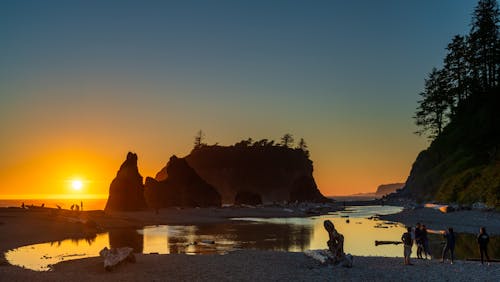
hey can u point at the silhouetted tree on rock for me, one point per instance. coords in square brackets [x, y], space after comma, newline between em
[431, 111]
[287, 140]
[198, 139]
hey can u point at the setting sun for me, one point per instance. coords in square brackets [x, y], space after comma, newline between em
[77, 185]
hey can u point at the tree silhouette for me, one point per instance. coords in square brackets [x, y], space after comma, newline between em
[431, 111]
[455, 66]
[287, 140]
[471, 65]
[484, 43]
[198, 139]
[303, 146]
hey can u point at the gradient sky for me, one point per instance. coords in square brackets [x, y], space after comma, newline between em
[84, 82]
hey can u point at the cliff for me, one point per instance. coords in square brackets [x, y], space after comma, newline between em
[126, 192]
[179, 185]
[385, 189]
[463, 163]
[273, 173]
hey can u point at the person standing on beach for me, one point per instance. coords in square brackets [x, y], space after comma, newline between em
[483, 239]
[449, 245]
[425, 242]
[418, 240]
[407, 242]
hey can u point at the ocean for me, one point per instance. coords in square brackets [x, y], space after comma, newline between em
[88, 204]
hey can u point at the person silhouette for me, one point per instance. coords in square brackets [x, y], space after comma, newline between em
[482, 240]
[449, 244]
[407, 244]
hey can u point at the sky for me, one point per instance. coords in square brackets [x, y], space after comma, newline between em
[84, 82]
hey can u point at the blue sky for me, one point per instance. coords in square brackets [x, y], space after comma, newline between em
[112, 76]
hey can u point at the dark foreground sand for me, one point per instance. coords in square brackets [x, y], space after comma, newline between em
[20, 227]
[255, 266]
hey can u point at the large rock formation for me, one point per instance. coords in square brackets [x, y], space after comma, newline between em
[275, 173]
[126, 192]
[179, 185]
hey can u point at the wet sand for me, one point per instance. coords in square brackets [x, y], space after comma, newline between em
[20, 227]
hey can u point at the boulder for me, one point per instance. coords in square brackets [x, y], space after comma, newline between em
[114, 256]
[126, 192]
[181, 188]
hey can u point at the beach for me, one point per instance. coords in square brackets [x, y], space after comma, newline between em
[255, 266]
[22, 227]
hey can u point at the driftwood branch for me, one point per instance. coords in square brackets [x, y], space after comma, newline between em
[377, 243]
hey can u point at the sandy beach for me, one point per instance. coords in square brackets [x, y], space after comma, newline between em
[20, 227]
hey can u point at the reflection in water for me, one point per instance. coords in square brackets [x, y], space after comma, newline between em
[126, 238]
[42, 256]
[359, 225]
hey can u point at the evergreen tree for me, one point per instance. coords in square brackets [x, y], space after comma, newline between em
[287, 140]
[198, 139]
[483, 41]
[455, 66]
[303, 146]
[432, 109]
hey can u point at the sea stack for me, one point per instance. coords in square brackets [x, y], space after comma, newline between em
[271, 173]
[178, 185]
[126, 192]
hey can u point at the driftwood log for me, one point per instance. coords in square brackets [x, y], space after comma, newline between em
[114, 256]
[377, 243]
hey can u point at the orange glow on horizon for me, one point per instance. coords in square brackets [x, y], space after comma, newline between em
[52, 169]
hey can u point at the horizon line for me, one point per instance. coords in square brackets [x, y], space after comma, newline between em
[52, 196]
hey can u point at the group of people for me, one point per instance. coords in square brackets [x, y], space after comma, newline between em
[418, 235]
[77, 207]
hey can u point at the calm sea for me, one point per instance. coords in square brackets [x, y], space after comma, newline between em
[88, 204]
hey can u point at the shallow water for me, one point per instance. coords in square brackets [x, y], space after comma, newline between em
[282, 234]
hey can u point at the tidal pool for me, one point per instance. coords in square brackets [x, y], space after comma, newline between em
[359, 225]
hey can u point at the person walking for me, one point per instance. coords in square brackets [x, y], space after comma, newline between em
[449, 244]
[407, 243]
[425, 242]
[482, 240]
